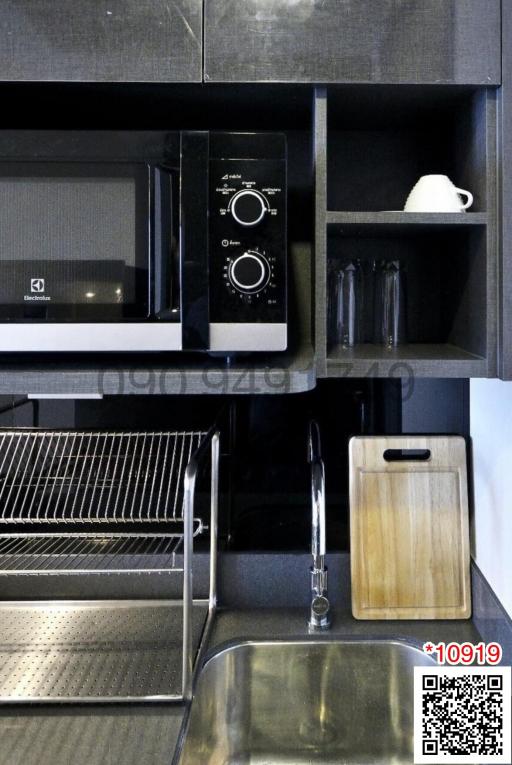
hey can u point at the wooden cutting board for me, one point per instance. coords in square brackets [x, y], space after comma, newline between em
[409, 529]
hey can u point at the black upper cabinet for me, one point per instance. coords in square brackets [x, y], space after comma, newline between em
[101, 40]
[384, 41]
[389, 41]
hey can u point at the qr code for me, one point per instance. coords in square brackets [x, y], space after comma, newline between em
[462, 715]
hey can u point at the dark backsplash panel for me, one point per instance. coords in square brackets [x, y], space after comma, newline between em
[265, 491]
[270, 499]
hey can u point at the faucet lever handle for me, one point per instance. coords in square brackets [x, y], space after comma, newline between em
[320, 618]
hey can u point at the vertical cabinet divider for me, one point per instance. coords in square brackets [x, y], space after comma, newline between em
[320, 177]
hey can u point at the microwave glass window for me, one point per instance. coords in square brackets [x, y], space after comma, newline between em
[69, 248]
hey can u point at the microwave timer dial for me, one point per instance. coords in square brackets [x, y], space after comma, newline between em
[249, 273]
[248, 207]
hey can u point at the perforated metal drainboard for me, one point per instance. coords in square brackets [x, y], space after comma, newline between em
[93, 651]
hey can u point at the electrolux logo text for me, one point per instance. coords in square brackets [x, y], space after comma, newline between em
[37, 288]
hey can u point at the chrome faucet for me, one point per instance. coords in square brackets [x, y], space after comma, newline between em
[319, 618]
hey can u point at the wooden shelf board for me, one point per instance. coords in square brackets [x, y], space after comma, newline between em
[290, 372]
[419, 359]
[402, 223]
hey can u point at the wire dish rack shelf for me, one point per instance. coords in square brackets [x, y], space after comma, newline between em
[78, 553]
[124, 483]
[109, 502]
[93, 477]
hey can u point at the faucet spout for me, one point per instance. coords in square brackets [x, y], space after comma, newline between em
[320, 607]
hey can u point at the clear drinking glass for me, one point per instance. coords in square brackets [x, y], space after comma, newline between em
[390, 311]
[345, 304]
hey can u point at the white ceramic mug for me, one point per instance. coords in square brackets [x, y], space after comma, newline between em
[436, 193]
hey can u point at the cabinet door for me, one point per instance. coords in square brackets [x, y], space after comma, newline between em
[389, 41]
[101, 40]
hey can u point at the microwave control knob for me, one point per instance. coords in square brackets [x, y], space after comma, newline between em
[249, 273]
[248, 207]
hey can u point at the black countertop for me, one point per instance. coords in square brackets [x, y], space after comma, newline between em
[265, 597]
[147, 734]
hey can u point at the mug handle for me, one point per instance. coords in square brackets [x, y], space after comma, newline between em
[467, 194]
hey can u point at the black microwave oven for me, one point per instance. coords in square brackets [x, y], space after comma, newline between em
[142, 241]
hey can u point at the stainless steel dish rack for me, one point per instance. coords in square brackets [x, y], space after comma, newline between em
[76, 503]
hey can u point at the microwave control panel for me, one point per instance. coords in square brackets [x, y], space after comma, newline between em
[247, 240]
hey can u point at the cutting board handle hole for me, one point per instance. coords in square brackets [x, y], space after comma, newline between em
[407, 455]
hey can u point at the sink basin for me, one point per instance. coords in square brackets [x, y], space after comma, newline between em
[329, 702]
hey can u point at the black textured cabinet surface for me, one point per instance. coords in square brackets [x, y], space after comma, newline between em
[101, 40]
[384, 41]
[505, 301]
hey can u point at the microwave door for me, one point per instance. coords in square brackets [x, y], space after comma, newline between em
[76, 232]
[76, 260]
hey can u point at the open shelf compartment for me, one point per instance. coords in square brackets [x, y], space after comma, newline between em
[380, 143]
[446, 288]
[371, 146]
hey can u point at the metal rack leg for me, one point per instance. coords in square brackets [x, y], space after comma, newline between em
[188, 544]
[214, 522]
[188, 541]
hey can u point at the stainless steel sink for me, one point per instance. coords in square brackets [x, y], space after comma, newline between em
[329, 702]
